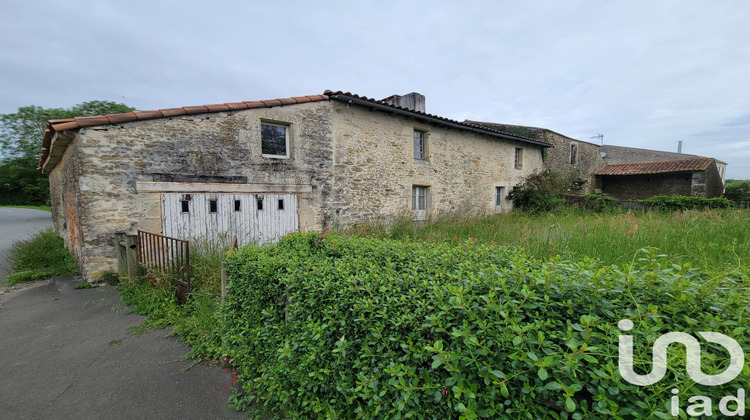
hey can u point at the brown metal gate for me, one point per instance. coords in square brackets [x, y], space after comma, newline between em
[169, 256]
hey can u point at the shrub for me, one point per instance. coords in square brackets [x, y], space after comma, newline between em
[540, 192]
[40, 257]
[594, 202]
[325, 325]
[672, 203]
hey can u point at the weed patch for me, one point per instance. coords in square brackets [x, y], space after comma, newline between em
[40, 257]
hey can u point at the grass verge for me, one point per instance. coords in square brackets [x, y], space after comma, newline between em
[40, 257]
[45, 208]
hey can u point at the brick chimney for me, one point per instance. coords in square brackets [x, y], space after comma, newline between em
[413, 101]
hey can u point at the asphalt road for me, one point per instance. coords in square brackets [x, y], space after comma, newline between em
[68, 354]
[15, 225]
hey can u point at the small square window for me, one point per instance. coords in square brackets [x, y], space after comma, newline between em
[274, 140]
[420, 145]
[518, 164]
[213, 206]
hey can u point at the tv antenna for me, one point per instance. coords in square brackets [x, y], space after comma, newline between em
[600, 137]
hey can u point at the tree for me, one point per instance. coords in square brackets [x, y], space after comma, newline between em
[20, 143]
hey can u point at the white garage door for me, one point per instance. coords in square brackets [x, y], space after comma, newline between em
[214, 219]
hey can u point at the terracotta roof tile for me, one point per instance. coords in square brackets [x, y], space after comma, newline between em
[173, 112]
[255, 104]
[148, 115]
[302, 99]
[190, 110]
[272, 102]
[287, 101]
[217, 108]
[646, 168]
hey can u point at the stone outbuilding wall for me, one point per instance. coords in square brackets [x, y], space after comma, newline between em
[346, 164]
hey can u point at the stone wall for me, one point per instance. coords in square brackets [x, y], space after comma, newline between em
[375, 168]
[64, 200]
[707, 183]
[639, 187]
[355, 165]
[587, 162]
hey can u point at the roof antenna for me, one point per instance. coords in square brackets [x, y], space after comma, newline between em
[600, 137]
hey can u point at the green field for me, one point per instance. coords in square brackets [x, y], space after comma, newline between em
[712, 240]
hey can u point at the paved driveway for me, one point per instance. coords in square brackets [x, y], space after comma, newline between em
[15, 225]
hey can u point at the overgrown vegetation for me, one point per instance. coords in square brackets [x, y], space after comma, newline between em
[540, 192]
[334, 326]
[714, 241]
[40, 257]
[673, 203]
[456, 320]
[737, 190]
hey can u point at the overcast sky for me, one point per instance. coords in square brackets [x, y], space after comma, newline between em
[642, 73]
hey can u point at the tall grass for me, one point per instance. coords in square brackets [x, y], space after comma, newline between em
[40, 257]
[711, 240]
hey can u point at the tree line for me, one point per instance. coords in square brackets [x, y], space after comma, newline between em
[20, 145]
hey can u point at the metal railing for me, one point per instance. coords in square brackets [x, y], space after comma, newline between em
[170, 256]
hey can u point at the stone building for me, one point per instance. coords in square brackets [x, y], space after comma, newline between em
[258, 170]
[570, 158]
[698, 177]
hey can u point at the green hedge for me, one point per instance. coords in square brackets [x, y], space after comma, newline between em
[334, 326]
[672, 203]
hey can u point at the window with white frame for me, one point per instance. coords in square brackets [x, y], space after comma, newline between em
[420, 144]
[274, 140]
[518, 164]
[573, 154]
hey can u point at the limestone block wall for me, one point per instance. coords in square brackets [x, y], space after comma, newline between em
[64, 200]
[587, 162]
[111, 160]
[375, 169]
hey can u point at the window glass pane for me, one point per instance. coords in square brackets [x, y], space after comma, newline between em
[418, 144]
[237, 204]
[260, 203]
[213, 207]
[185, 206]
[273, 140]
[498, 196]
[281, 204]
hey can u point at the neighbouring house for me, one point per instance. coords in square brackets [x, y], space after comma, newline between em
[699, 177]
[570, 158]
[258, 170]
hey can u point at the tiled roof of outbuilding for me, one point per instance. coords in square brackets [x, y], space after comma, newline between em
[646, 168]
[54, 126]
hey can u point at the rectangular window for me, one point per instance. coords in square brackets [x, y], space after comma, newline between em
[573, 154]
[213, 206]
[499, 194]
[237, 205]
[419, 198]
[420, 145]
[185, 206]
[274, 140]
[499, 198]
[281, 204]
[519, 158]
[259, 200]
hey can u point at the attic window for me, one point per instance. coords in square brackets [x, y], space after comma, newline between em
[213, 206]
[259, 201]
[281, 204]
[237, 205]
[274, 140]
[185, 206]
[518, 163]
